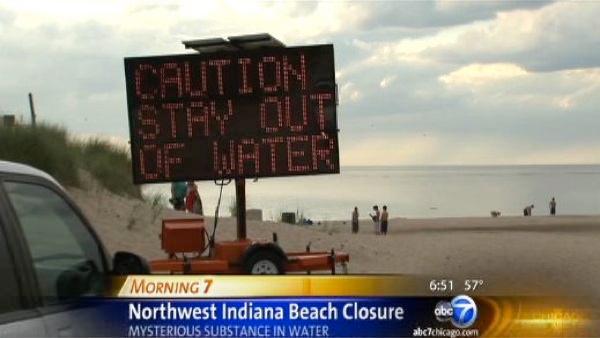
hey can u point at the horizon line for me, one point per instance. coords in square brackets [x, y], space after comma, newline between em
[471, 165]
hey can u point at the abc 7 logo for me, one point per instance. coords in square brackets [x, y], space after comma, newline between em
[461, 311]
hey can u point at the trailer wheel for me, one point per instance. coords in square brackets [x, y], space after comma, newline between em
[264, 262]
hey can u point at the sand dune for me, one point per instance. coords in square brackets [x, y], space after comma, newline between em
[512, 254]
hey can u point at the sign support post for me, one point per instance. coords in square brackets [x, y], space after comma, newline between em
[240, 203]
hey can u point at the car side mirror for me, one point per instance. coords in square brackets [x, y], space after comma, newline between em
[127, 263]
[80, 279]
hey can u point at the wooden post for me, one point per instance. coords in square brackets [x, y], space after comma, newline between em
[32, 109]
[240, 200]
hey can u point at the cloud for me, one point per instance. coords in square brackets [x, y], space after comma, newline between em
[349, 92]
[465, 149]
[481, 74]
[441, 13]
[6, 17]
[559, 36]
[292, 22]
[410, 149]
[508, 111]
[420, 82]
[511, 87]
[387, 81]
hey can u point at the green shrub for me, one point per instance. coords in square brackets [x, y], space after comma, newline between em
[49, 148]
[43, 147]
[110, 165]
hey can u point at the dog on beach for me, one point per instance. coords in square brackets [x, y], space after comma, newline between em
[495, 213]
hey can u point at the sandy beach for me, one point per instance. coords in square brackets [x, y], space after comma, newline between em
[512, 254]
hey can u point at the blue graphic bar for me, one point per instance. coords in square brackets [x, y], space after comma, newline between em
[267, 317]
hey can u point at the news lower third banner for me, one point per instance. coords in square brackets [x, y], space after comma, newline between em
[323, 306]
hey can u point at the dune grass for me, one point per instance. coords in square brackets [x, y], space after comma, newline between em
[44, 147]
[50, 149]
[110, 165]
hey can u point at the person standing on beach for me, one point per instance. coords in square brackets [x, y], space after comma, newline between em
[384, 220]
[355, 220]
[193, 203]
[527, 210]
[178, 193]
[375, 218]
[552, 207]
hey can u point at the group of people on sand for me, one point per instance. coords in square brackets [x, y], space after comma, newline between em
[185, 197]
[552, 204]
[380, 220]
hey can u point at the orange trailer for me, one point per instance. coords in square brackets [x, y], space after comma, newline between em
[190, 251]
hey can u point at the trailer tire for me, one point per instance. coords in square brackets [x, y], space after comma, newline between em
[264, 262]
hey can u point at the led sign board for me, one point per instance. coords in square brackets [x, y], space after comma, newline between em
[263, 113]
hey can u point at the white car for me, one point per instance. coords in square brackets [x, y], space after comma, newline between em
[50, 256]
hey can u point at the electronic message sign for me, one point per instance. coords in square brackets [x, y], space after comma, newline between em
[245, 114]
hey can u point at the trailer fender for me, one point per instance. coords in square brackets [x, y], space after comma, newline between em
[261, 254]
[272, 247]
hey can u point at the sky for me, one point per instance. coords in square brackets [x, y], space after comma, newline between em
[421, 83]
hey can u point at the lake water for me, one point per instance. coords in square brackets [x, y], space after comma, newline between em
[417, 191]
